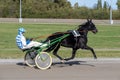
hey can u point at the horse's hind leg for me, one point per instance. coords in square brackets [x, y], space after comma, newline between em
[73, 55]
[56, 50]
[91, 49]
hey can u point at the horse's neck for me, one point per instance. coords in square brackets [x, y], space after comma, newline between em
[86, 32]
[83, 32]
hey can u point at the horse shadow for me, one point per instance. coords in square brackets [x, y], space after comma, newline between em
[21, 64]
[61, 64]
[71, 63]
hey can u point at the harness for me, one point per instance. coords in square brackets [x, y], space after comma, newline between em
[75, 33]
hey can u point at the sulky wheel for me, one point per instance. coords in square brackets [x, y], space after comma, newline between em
[43, 60]
[30, 58]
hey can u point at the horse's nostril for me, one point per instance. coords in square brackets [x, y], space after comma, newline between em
[97, 30]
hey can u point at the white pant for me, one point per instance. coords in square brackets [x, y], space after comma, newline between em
[34, 44]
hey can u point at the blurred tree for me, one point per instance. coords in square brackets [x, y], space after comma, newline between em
[76, 5]
[62, 3]
[55, 9]
[118, 4]
[105, 5]
[99, 5]
[7, 8]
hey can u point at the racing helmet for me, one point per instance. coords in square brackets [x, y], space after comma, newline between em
[21, 30]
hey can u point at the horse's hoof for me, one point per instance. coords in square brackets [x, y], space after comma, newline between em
[95, 58]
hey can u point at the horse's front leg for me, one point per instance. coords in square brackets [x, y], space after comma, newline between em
[73, 55]
[91, 49]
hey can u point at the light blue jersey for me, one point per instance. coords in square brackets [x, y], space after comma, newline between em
[19, 42]
[20, 39]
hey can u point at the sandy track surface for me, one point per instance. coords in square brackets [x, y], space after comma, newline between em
[77, 69]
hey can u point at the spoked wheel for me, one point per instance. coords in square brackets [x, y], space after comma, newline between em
[30, 59]
[43, 60]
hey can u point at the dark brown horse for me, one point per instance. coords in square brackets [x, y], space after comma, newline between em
[72, 41]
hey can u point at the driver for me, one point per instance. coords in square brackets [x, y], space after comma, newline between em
[24, 43]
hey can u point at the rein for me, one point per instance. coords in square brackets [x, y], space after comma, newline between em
[40, 37]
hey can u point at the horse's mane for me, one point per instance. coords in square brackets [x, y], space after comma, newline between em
[66, 32]
[81, 25]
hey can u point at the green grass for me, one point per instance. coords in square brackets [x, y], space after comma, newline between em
[108, 37]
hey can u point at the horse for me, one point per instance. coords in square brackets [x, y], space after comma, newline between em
[71, 41]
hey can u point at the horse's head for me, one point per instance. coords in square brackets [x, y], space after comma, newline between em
[88, 26]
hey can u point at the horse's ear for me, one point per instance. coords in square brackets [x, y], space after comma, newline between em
[87, 20]
[91, 20]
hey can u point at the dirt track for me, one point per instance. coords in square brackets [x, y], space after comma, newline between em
[77, 69]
